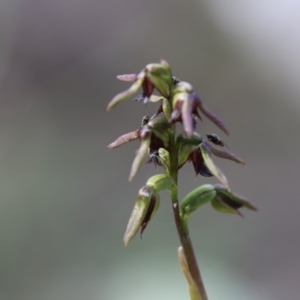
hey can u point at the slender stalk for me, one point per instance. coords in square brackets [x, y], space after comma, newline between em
[181, 224]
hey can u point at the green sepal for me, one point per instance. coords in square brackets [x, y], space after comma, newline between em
[184, 153]
[128, 93]
[164, 158]
[152, 209]
[238, 200]
[161, 128]
[166, 108]
[164, 102]
[163, 135]
[161, 77]
[198, 197]
[186, 146]
[138, 214]
[160, 182]
[179, 96]
[205, 151]
[159, 123]
[141, 156]
[155, 98]
[195, 139]
[219, 205]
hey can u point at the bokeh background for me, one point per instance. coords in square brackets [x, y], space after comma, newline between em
[65, 199]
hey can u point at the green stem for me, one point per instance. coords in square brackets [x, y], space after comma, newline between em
[181, 224]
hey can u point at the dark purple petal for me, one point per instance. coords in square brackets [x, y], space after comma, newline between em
[229, 202]
[199, 164]
[155, 143]
[148, 89]
[211, 115]
[227, 155]
[159, 110]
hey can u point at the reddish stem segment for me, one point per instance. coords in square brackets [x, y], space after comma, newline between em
[181, 225]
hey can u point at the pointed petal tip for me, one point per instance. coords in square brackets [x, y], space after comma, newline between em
[253, 207]
[132, 176]
[213, 118]
[240, 214]
[143, 227]
[126, 77]
[222, 126]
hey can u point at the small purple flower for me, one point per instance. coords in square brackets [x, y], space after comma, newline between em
[153, 76]
[200, 156]
[185, 108]
[153, 135]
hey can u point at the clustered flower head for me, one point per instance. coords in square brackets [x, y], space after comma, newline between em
[177, 103]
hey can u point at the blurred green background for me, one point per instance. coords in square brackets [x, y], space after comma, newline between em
[65, 200]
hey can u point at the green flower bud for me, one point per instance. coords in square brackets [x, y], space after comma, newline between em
[146, 205]
[141, 155]
[197, 198]
[160, 182]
